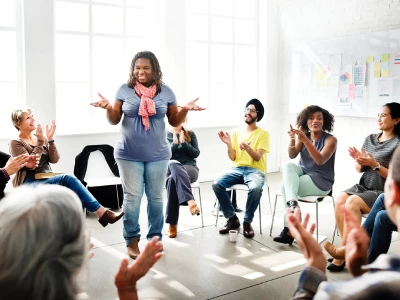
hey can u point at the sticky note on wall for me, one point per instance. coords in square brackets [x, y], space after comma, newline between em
[377, 74]
[385, 57]
[385, 73]
[370, 59]
[377, 66]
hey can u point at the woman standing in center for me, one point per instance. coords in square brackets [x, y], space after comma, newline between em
[142, 152]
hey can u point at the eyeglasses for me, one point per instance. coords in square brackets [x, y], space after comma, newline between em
[252, 110]
[381, 115]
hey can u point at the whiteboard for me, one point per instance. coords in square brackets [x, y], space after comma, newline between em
[339, 56]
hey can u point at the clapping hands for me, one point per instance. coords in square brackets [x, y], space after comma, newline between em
[363, 158]
[299, 132]
[311, 249]
[225, 137]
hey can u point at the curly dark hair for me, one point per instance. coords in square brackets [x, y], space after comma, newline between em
[394, 108]
[305, 114]
[157, 74]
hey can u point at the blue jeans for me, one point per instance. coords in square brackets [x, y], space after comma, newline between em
[138, 177]
[73, 183]
[379, 228]
[252, 178]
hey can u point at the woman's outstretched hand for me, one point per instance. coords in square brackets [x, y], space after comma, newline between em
[193, 106]
[103, 102]
[127, 276]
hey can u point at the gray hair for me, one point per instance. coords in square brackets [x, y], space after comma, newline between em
[17, 114]
[43, 244]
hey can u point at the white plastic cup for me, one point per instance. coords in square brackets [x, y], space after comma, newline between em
[233, 235]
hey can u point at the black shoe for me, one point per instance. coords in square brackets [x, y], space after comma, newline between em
[335, 268]
[248, 230]
[283, 237]
[330, 259]
[233, 223]
[293, 204]
[237, 209]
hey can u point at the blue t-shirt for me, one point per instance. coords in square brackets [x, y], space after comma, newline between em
[136, 143]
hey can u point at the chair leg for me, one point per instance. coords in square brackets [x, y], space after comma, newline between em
[334, 230]
[259, 210]
[317, 219]
[201, 209]
[216, 219]
[269, 199]
[273, 216]
[116, 190]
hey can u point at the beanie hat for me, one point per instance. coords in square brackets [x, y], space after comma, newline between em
[259, 108]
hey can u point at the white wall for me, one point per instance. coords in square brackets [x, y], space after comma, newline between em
[323, 19]
[40, 90]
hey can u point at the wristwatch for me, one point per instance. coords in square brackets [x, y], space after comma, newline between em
[377, 168]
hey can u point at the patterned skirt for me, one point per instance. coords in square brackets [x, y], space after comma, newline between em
[369, 196]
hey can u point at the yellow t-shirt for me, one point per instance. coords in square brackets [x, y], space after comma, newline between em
[259, 139]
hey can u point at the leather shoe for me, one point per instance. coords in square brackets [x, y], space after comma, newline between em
[133, 248]
[172, 231]
[232, 223]
[248, 230]
[335, 268]
[335, 252]
[194, 210]
[110, 217]
[284, 237]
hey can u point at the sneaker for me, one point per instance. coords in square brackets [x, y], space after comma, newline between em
[283, 237]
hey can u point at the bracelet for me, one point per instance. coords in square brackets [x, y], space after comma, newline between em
[52, 141]
[292, 146]
[5, 173]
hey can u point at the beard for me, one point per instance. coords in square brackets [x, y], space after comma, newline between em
[251, 121]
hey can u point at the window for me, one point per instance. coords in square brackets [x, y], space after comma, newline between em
[93, 54]
[222, 58]
[11, 83]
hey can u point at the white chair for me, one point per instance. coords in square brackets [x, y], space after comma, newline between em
[196, 185]
[306, 199]
[98, 173]
[243, 187]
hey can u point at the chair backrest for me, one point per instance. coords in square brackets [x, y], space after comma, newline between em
[97, 166]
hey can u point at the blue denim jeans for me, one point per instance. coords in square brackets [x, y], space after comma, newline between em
[379, 228]
[252, 178]
[138, 177]
[73, 183]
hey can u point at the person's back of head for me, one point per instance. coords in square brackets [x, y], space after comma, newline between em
[43, 245]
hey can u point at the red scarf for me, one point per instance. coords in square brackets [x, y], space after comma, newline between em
[147, 107]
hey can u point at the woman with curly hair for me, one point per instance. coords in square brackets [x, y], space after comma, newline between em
[315, 173]
[373, 161]
[143, 152]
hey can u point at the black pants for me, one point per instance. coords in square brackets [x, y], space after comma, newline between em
[179, 178]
